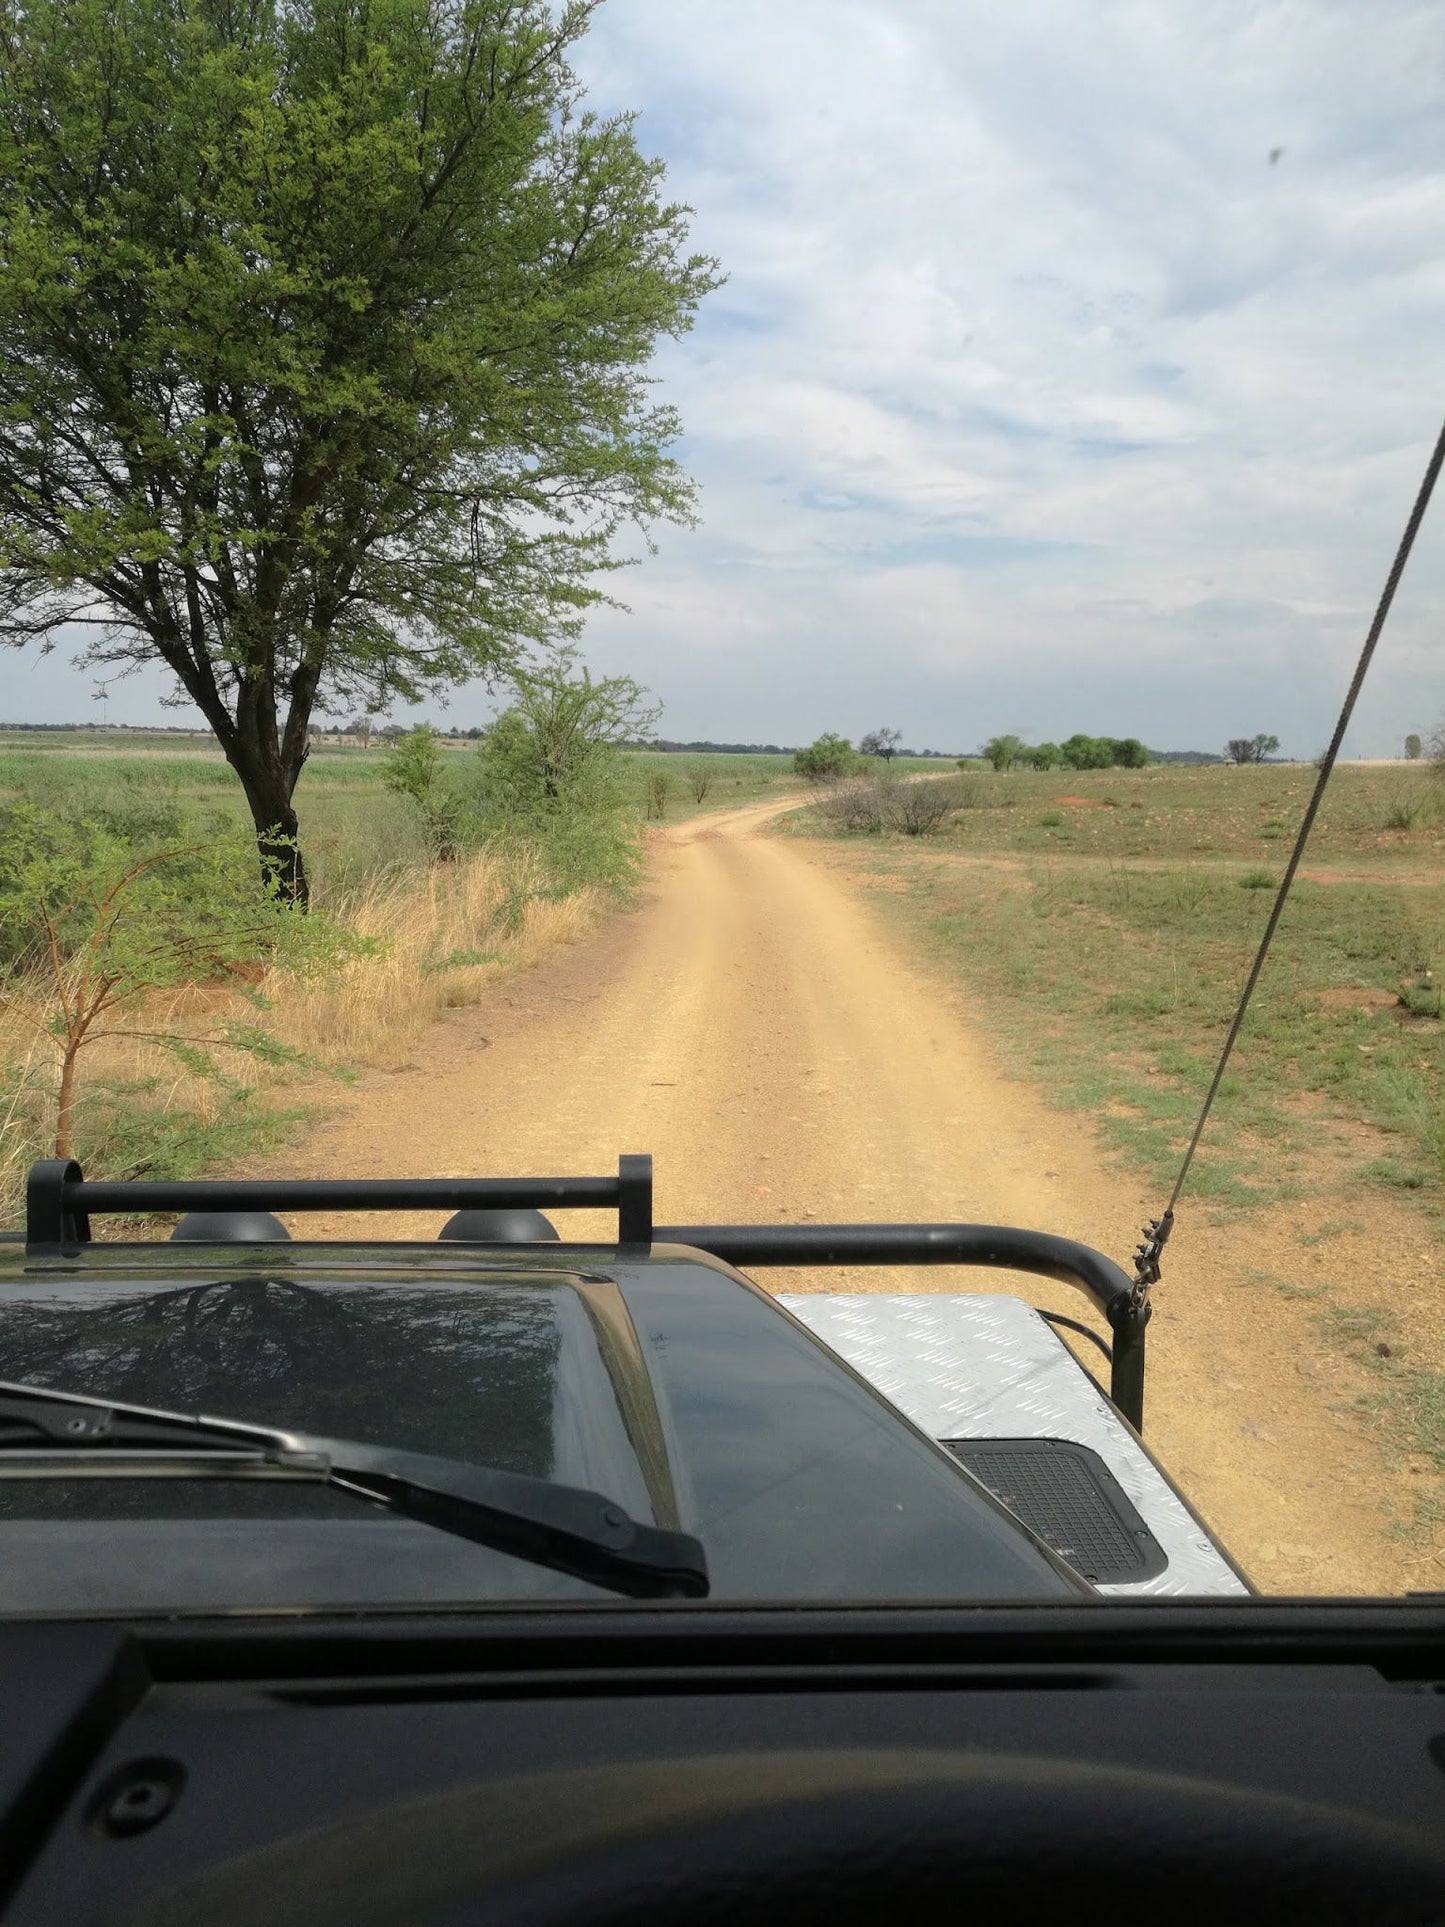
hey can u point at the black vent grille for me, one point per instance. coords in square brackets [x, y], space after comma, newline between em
[1067, 1495]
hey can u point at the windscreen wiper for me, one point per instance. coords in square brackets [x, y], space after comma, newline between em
[52, 1434]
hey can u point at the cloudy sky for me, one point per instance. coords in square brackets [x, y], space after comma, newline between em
[1040, 397]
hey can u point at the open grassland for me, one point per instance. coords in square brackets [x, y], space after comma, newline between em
[698, 780]
[1108, 918]
[1102, 925]
[1387, 816]
[352, 825]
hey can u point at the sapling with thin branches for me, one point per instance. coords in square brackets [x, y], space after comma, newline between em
[552, 769]
[415, 767]
[95, 927]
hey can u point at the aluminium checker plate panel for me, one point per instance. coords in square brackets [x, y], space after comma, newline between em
[988, 1367]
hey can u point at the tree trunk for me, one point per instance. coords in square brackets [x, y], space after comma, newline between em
[269, 782]
[67, 1098]
[277, 833]
[268, 762]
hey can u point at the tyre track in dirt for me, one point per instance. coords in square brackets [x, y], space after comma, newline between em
[784, 1056]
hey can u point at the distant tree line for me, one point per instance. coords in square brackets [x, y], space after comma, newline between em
[888, 744]
[716, 749]
[1079, 752]
[139, 729]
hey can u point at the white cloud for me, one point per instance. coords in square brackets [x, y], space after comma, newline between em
[1025, 281]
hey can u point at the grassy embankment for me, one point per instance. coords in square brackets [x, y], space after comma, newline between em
[1103, 923]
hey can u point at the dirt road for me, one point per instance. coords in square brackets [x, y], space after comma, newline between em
[780, 1053]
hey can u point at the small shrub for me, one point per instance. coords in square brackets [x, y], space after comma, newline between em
[850, 808]
[110, 926]
[1257, 880]
[830, 757]
[918, 809]
[551, 774]
[699, 781]
[1402, 813]
[1422, 999]
[1051, 819]
[415, 766]
[1396, 1174]
[659, 788]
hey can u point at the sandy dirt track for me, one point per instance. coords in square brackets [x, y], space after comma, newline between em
[784, 1056]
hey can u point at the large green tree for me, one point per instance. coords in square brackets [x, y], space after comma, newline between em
[324, 335]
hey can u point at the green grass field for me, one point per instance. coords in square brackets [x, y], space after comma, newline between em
[1183, 815]
[733, 779]
[351, 826]
[1103, 925]
[1107, 920]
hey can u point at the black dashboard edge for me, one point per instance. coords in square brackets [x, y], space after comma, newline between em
[1403, 1639]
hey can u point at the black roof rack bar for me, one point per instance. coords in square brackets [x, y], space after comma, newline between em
[749, 1246]
[59, 1200]
[344, 1194]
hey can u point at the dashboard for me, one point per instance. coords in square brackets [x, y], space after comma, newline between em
[638, 1764]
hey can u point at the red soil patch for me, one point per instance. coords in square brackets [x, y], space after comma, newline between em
[1346, 999]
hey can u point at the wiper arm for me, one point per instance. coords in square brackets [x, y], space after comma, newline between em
[566, 1528]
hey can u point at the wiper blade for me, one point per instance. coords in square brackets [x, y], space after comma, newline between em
[566, 1528]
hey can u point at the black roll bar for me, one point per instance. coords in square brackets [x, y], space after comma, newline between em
[59, 1201]
[750, 1246]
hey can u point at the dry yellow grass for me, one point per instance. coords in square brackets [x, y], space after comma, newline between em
[440, 938]
[375, 1008]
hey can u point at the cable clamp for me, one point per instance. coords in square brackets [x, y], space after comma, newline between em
[1146, 1258]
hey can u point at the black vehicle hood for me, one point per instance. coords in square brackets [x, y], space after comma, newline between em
[668, 1382]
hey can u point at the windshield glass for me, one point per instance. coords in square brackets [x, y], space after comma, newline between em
[762, 585]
